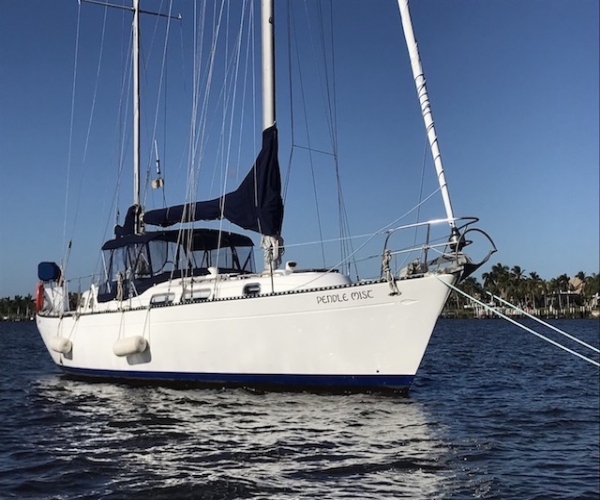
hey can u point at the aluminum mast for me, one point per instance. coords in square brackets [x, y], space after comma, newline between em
[419, 78]
[272, 244]
[136, 114]
[268, 63]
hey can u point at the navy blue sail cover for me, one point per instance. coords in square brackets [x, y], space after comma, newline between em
[198, 239]
[255, 205]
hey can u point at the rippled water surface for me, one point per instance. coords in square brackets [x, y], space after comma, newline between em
[494, 413]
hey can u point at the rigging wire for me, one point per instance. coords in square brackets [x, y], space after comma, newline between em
[162, 79]
[88, 135]
[328, 85]
[346, 247]
[91, 118]
[422, 183]
[200, 109]
[552, 327]
[290, 104]
[309, 148]
[184, 152]
[121, 136]
[523, 327]
[201, 116]
[230, 101]
[88, 132]
[71, 127]
[311, 162]
[122, 128]
[321, 36]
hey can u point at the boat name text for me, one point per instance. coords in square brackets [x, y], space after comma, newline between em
[345, 297]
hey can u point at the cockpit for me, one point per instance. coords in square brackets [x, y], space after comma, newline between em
[134, 263]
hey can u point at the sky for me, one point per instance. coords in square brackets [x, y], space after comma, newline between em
[514, 88]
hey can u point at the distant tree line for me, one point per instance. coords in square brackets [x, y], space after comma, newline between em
[17, 307]
[23, 307]
[560, 296]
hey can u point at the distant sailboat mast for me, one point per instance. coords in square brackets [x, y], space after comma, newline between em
[419, 78]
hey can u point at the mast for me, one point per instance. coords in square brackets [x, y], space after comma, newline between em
[419, 78]
[268, 63]
[272, 244]
[136, 209]
[136, 114]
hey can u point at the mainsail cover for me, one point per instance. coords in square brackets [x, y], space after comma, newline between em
[255, 205]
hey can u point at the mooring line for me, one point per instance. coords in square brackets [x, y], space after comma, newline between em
[575, 339]
[510, 320]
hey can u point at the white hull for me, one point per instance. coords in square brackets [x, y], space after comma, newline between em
[186, 305]
[340, 336]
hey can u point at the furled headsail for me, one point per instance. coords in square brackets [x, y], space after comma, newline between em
[255, 205]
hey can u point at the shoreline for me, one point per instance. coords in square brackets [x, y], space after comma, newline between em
[545, 313]
[451, 314]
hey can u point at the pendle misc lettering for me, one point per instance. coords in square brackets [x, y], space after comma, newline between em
[334, 298]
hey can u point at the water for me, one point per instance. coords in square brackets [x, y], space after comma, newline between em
[494, 413]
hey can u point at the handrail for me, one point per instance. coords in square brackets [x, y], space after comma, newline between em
[418, 247]
[434, 222]
[449, 249]
[467, 221]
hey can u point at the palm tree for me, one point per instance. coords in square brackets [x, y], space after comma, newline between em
[536, 290]
[17, 307]
[472, 287]
[517, 284]
[4, 307]
[591, 290]
[563, 282]
[497, 280]
[558, 287]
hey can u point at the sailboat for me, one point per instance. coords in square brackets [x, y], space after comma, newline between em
[187, 305]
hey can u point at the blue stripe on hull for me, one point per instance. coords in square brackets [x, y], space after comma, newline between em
[397, 383]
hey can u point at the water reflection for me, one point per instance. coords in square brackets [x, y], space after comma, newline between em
[274, 444]
[492, 414]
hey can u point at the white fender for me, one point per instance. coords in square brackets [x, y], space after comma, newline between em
[130, 345]
[60, 344]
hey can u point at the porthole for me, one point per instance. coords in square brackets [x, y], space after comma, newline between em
[252, 289]
[162, 299]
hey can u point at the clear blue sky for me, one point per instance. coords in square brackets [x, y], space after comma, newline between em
[514, 90]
